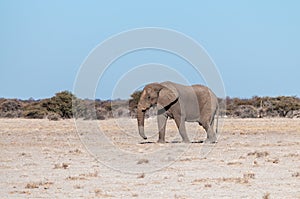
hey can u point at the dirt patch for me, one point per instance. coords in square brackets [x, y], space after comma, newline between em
[254, 158]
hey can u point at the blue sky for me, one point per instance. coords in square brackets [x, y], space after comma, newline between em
[255, 44]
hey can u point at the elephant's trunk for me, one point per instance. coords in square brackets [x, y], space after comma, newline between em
[140, 119]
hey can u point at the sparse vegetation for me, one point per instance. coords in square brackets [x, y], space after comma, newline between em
[282, 106]
[65, 105]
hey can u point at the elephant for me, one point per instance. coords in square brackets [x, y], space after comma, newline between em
[195, 103]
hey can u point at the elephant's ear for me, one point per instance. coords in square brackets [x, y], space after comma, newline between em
[166, 97]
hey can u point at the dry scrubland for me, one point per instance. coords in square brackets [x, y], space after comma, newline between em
[254, 158]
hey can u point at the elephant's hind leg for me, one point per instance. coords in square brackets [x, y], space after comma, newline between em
[211, 134]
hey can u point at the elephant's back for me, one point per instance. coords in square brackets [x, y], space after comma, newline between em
[204, 89]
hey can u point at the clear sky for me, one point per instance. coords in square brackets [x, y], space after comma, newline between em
[255, 44]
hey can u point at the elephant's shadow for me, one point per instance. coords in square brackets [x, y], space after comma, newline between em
[173, 142]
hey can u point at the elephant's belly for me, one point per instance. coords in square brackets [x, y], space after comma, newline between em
[192, 119]
[192, 116]
[192, 113]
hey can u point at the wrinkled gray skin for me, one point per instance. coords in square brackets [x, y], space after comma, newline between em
[194, 103]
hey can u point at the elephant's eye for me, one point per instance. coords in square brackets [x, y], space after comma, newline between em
[148, 97]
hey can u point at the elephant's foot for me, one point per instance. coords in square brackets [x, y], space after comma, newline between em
[211, 141]
[161, 141]
[186, 141]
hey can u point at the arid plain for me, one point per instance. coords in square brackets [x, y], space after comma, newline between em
[254, 158]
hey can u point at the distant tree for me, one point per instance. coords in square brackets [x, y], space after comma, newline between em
[133, 102]
[61, 104]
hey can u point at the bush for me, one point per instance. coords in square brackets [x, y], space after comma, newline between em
[121, 112]
[11, 108]
[86, 109]
[10, 105]
[53, 116]
[35, 113]
[60, 104]
[246, 111]
[284, 105]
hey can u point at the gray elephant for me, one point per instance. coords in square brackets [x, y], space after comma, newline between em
[194, 103]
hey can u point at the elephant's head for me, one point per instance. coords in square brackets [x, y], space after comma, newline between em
[154, 94]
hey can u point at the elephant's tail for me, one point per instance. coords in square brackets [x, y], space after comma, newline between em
[217, 123]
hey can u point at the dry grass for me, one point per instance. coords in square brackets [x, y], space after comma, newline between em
[266, 196]
[249, 175]
[99, 193]
[32, 185]
[142, 175]
[36, 185]
[61, 166]
[238, 180]
[143, 161]
[258, 154]
[77, 186]
[208, 185]
[296, 175]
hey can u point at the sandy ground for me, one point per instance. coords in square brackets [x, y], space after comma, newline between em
[254, 158]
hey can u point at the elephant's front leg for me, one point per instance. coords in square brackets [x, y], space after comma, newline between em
[180, 122]
[162, 122]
